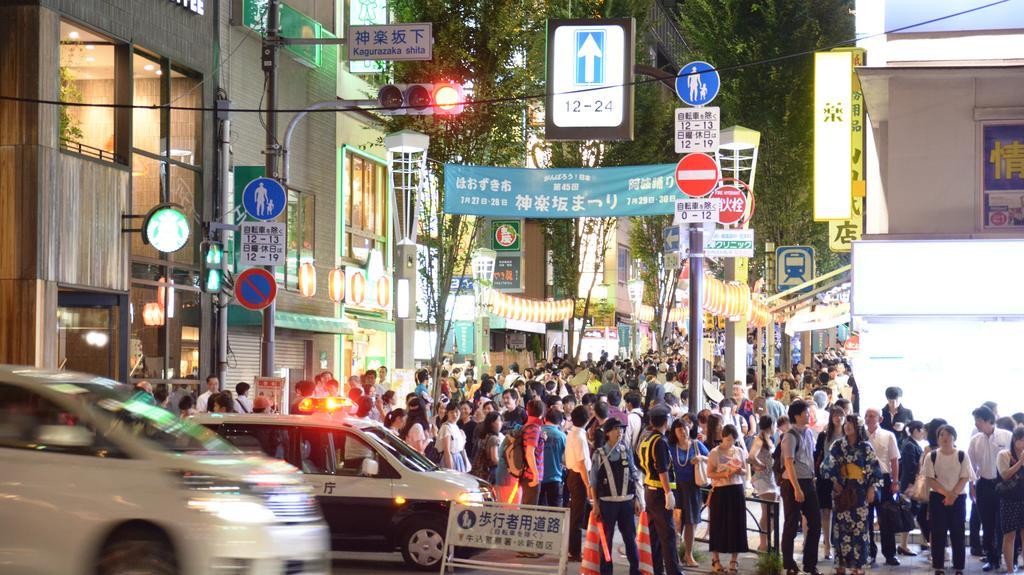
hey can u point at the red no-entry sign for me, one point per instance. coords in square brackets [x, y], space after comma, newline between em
[255, 289]
[697, 175]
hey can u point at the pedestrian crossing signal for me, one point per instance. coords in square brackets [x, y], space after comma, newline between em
[213, 276]
[436, 99]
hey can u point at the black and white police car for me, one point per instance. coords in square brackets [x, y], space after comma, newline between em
[377, 492]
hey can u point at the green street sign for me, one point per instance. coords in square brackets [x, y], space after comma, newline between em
[506, 235]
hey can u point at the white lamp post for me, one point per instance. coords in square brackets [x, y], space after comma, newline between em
[636, 297]
[483, 260]
[407, 167]
[737, 155]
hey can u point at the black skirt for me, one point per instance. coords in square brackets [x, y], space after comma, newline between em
[689, 502]
[727, 520]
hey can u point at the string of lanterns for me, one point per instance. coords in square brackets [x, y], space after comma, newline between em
[511, 307]
[722, 299]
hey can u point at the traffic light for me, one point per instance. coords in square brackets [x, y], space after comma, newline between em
[213, 276]
[438, 99]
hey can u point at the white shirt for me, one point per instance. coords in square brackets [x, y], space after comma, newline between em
[1003, 461]
[242, 404]
[577, 450]
[885, 446]
[948, 470]
[450, 438]
[201, 402]
[634, 426]
[984, 450]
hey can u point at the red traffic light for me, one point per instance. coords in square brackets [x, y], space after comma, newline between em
[448, 99]
[445, 98]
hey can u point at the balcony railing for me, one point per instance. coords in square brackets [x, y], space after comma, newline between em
[90, 151]
[665, 33]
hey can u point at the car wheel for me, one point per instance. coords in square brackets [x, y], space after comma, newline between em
[137, 557]
[423, 544]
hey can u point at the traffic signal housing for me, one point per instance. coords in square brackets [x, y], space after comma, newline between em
[436, 99]
[213, 276]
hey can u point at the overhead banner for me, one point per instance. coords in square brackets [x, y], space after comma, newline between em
[560, 192]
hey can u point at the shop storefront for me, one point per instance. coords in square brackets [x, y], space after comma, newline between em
[96, 297]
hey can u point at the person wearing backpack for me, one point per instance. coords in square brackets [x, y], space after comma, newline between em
[795, 464]
[615, 493]
[948, 471]
[531, 443]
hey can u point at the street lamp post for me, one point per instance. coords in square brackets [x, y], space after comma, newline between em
[737, 155]
[407, 163]
[636, 297]
[483, 277]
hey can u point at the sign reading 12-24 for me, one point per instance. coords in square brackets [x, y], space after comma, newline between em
[589, 79]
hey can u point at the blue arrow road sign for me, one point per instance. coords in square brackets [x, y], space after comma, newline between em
[264, 198]
[697, 83]
[794, 265]
[589, 57]
[671, 237]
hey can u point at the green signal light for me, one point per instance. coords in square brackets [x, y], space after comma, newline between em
[166, 228]
[214, 255]
[213, 281]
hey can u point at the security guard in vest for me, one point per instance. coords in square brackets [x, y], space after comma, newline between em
[615, 493]
[658, 486]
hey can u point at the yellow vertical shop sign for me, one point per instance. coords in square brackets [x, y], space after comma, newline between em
[842, 233]
[833, 103]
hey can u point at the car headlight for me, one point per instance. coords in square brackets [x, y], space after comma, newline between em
[233, 510]
[467, 497]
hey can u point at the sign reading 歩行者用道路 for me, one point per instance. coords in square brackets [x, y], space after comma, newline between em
[560, 192]
[525, 528]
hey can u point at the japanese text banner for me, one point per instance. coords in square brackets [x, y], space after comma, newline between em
[560, 192]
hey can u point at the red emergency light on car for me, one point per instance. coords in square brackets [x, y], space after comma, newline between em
[330, 405]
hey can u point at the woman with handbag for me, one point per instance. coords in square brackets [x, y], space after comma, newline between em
[853, 469]
[948, 471]
[687, 453]
[727, 512]
[763, 480]
[1010, 463]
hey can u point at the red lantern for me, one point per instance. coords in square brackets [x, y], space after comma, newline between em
[384, 291]
[307, 279]
[336, 285]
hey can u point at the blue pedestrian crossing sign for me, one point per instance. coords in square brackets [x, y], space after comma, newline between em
[264, 198]
[794, 265]
[697, 83]
[589, 57]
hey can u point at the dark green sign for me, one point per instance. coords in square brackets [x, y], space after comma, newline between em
[506, 235]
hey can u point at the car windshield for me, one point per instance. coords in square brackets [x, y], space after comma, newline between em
[119, 409]
[399, 449]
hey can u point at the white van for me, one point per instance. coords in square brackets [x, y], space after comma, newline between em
[96, 480]
[377, 493]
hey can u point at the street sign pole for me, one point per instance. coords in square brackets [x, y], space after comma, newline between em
[696, 368]
[269, 60]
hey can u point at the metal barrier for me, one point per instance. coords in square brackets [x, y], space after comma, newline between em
[772, 507]
[90, 151]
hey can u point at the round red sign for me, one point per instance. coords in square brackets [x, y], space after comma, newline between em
[732, 204]
[697, 174]
[505, 235]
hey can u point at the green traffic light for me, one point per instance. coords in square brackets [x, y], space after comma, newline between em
[213, 281]
[214, 255]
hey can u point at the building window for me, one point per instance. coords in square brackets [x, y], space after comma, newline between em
[623, 264]
[88, 73]
[301, 239]
[365, 206]
[165, 323]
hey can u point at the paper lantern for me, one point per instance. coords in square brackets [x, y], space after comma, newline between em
[357, 288]
[153, 314]
[336, 285]
[307, 279]
[384, 291]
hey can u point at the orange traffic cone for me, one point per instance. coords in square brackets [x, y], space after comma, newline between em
[591, 560]
[643, 539]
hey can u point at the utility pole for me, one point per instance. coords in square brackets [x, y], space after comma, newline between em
[696, 370]
[271, 45]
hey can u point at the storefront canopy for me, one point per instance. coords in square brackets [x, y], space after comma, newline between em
[239, 316]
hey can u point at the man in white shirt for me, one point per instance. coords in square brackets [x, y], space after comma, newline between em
[983, 451]
[634, 420]
[212, 387]
[577, 479]
[242, 402]
[888, 453]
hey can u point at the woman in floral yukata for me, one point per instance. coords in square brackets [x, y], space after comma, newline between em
[852, 462]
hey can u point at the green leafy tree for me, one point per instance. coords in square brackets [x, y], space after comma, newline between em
[481, 44]
[764, 89]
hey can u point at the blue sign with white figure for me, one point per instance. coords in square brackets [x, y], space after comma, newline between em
[264, 198]
[794, 265]
[589, 57]
[560, 192]
[697, 83]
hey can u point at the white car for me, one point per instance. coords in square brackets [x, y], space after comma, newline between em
[96, 480]
[377, 493]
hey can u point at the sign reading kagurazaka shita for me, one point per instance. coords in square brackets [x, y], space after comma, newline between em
[194, 6]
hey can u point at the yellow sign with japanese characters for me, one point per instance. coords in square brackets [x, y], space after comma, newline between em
[842, 233]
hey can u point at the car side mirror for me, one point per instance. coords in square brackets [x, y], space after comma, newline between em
[64, 436]
[369, 468]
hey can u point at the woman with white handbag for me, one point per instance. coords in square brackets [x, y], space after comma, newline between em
[763, 479]
[689, 457]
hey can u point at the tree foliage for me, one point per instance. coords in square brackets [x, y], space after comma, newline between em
[766, 90]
